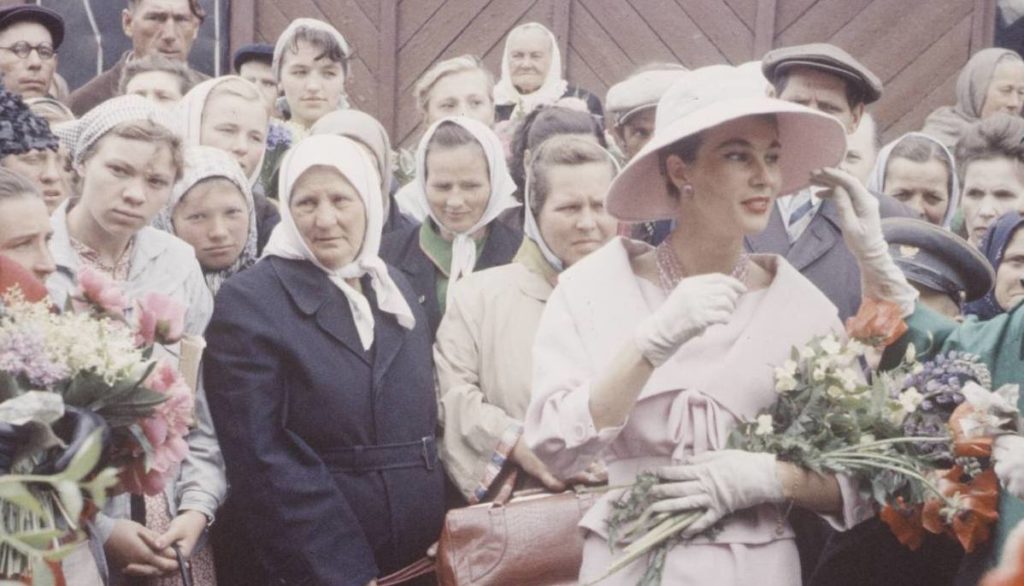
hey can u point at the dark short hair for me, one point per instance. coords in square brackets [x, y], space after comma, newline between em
[997, 137]
[151, 63]
[324, 41]
[855, 92]
[919, 149]
[449, 135]
[542, 124]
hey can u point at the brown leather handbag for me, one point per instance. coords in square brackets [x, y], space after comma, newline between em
[531, 538]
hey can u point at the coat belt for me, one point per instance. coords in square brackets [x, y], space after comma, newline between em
[362, 459]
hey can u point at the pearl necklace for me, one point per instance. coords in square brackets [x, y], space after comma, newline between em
[670, 271]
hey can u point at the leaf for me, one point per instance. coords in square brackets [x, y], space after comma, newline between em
[87, 457]
[71, 497]
[100, 486]
[39, 539]
[16, 493]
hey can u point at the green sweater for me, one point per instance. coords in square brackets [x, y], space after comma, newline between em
[999, 342]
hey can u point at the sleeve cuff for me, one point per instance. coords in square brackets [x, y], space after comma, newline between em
[103, 526]
[200, 502]
[856, 509]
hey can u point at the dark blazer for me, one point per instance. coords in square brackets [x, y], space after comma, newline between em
[329, 449]
[820, 253]
[401, 249]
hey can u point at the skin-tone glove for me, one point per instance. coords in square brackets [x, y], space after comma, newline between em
[695, 304]
[184, 530]
[720, 482]
[523, 456]
[881, 279]
[1008, 453]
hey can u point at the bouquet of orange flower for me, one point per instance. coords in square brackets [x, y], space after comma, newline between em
[94, 361]
[917, 439]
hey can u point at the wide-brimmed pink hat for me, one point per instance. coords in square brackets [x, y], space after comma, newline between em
[702, 99]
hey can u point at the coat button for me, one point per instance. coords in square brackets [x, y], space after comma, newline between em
[422, 299]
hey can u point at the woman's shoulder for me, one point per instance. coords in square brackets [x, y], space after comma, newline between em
[396, 245]
[482, 287]
[615, 259]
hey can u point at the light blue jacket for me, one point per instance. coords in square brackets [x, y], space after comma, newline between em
[160, 262]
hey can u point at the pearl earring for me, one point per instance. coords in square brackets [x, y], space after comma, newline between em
[687, 190]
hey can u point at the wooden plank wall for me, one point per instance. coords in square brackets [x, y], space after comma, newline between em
[917, 48]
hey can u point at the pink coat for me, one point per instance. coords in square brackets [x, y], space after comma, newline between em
[689, 405]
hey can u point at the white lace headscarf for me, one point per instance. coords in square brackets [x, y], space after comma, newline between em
[502, 188]
[349, 159]
[553, 88]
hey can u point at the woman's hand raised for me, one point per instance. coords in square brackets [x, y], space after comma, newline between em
[881, 279]
[695, 304]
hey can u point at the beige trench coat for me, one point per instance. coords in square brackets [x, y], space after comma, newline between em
[482, 355]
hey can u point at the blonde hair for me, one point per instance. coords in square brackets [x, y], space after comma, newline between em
[440, 70]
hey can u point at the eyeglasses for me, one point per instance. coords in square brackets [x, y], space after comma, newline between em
[23, 50]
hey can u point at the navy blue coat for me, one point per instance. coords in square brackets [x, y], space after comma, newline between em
[401, 249]
[329, 449]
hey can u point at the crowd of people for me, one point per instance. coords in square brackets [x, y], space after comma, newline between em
[555, 289]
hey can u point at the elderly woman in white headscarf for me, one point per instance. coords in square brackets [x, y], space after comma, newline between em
[919, 171]
[483, 345]
[463, 184]
[321, 384]
[227, 113]
[531, 75]
[211, 208]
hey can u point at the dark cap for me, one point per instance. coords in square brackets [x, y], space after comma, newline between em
[50, 20]
[254, 52]
[825, 57]
[935, 258]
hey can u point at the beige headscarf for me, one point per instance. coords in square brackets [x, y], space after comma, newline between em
[505, 93]
[948, 123]
[364, 129]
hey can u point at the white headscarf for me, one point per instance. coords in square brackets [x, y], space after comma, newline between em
[876, 181]
[530, 227]
[349, 159]
[82, 133]
[298, 24]
[502, 188]
[553, 88]
[202, 163]
[193, 104]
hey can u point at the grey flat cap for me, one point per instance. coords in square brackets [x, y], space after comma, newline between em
[639, 91]
[827, 58]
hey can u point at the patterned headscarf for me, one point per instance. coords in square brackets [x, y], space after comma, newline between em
[202, 163]
[81, 134]
[993, 246]
[21, 130]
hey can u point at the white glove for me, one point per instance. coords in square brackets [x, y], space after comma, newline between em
[881, 279]
[695, 304]
[1008, 453]
[720, 482]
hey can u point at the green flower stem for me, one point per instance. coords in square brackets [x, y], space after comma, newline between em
[848, 459]
[663, 532]
[891, 441]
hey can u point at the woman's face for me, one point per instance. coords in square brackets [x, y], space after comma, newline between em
[25, 234]
[236, 126]
[465, 93]
[923, 187]
[47, 170]
[458, 186]
[1009, 287]
[991, 188]
[214, 218]
[573, 220]
[158, 86]
[125, 183]
[329, 215]
[735, 177]
[312, 83]
[1006, 90]
[529, 53]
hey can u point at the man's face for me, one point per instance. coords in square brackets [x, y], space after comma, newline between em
[262, 76]
[30, 75]
[824, 92]
[635, 132]
[165, 27]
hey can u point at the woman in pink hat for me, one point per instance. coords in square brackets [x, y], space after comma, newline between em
[654, 372]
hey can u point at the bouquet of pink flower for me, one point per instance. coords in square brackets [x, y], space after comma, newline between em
[96, 357]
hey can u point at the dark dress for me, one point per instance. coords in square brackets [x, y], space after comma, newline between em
[401, 249]
[329, 449]
[503, 112]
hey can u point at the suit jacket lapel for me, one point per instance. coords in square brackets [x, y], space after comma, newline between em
[818, 238]
[335, 318]
[388, 337]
